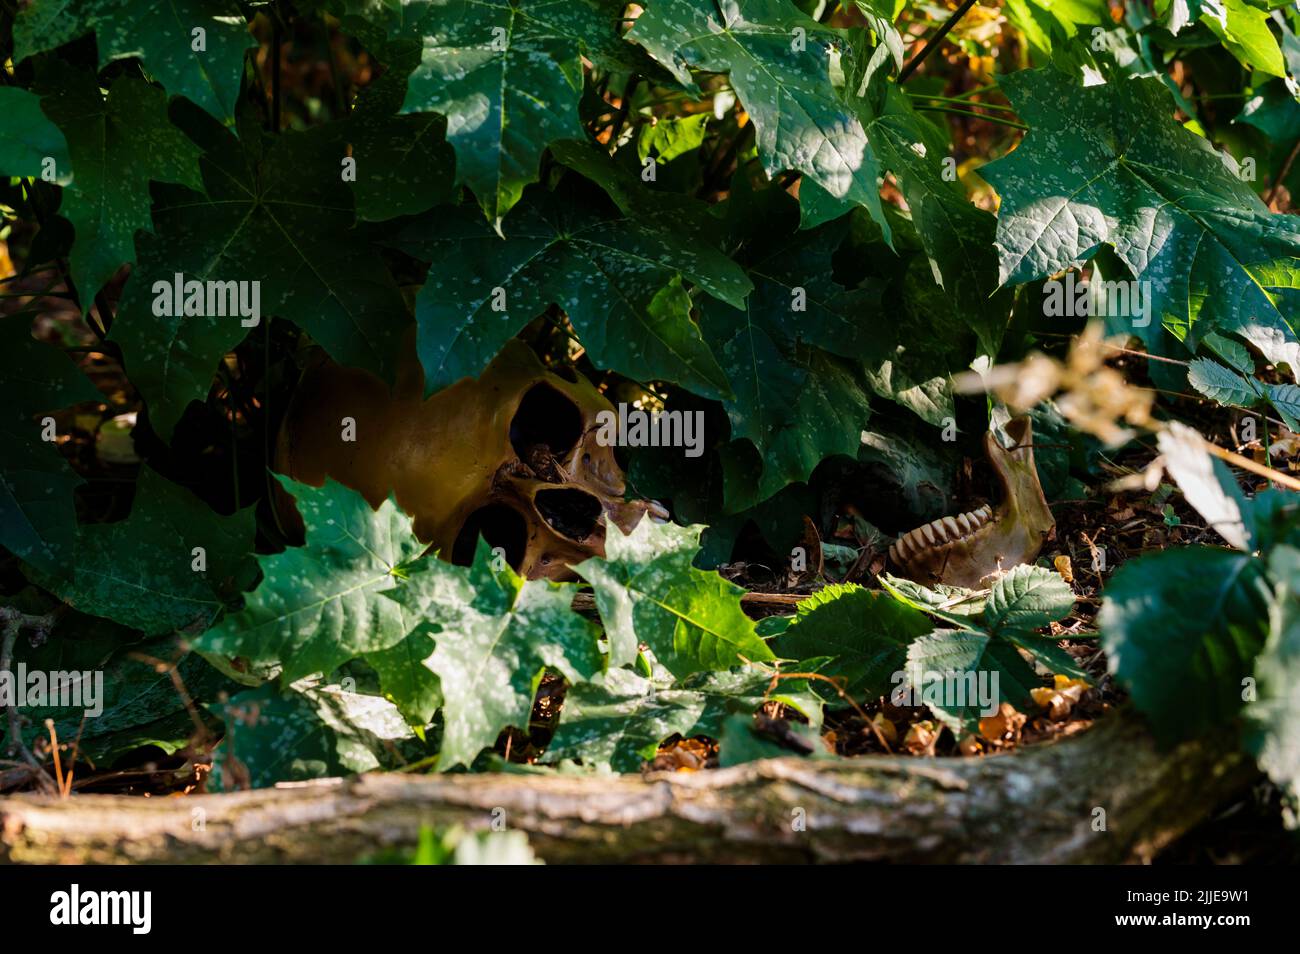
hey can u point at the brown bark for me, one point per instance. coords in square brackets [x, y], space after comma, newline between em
[1036, 805]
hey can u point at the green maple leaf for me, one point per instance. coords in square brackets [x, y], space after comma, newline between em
[321, 604]
[648, 592]
[143, 572]
[621, 719]
[275, 211]
[618, 279]
[507, 74]
[159, 32]
[957, 236]
[866, 633]
[780, 64]
[404, 165]
[29, 139]
[38, 521]
[1108, 165]
[495, 635]
[117, 146]
[406, 678]
[794, 400]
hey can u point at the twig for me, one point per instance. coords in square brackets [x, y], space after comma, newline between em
[1245, 463]
[54, 748]
[934, 41]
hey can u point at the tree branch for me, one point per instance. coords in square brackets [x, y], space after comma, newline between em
[1036, 805]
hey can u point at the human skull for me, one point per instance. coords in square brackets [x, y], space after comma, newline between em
[512, 455]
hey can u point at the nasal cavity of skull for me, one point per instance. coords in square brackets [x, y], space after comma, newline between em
[498, 524]
[547, 422]
[570, 512]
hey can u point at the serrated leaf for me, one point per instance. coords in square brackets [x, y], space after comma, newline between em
[691, 619]
[495, 635]
[617, 279]
[1220, 384]
[945, 668]
[866, 633]
[621, 719]
[1027, 598]
[1285, 399]
[1180, 629]
[956, 235]
[405, 676]
[161, 34]
[29, 139]
[1107, 164]
[321, 604]
[507, 74]
[793, 399]
[779, 61]
[140, 571]
[117, 146]
[953, 603]
[275, 211]
[1234, 352]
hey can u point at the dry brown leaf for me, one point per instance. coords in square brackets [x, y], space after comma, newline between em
[921, 738]
[1060, 699]
[1004, 726]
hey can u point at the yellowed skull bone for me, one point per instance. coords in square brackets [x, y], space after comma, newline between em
[512, 455]
[971, 548]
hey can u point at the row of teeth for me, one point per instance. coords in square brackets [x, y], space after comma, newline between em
[939, 532]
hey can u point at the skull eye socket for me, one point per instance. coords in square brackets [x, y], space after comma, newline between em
[545, 417]
[500, 526]
[570, 512]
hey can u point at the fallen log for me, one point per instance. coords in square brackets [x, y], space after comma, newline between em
[1103, 795]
